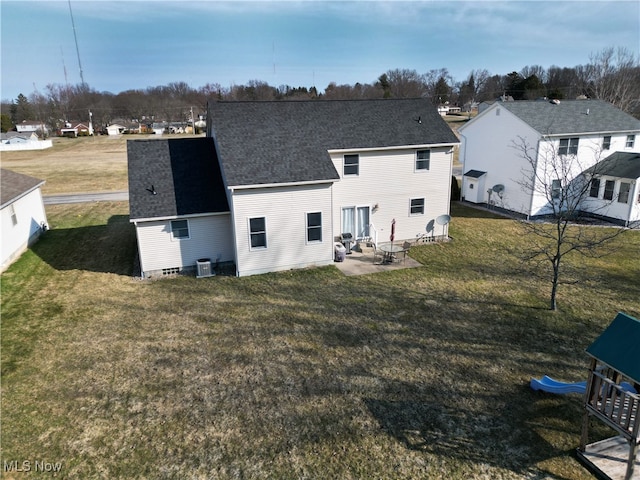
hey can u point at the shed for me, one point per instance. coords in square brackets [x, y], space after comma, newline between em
[613, 397]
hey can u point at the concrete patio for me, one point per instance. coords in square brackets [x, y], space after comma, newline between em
[360, 262]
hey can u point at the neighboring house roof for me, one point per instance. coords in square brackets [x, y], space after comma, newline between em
[618, 164]
[183, 173]
[619, 346]
[288, 141]
[474, 173]
[572, 116]
[15, 185]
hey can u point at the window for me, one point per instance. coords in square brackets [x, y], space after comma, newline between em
[355, 220]
[606, 142]
[180, 229]
[631, 140]
[423, 159]
[568, 146]
[258, 232]
[351, 164]
[623, 195]
[417, 206]
[594, 191]
[556, 188]
[14, 218]
[314, 227]
[608, 189]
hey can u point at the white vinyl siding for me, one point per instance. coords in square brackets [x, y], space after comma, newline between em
[387, 180]
[209, 237]
[284, 209]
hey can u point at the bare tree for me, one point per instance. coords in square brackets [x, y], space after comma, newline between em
[614, 76]
[562, 183]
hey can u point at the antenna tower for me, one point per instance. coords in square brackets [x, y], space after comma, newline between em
[76, 40]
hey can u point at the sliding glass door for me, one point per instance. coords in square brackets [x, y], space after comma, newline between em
[355, 220]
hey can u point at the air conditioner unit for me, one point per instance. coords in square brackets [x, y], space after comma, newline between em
[203, 268]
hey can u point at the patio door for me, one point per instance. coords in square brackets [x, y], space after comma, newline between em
[355, 220]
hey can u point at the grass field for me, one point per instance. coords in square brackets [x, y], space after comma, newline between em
[417, 373]
[75, 165]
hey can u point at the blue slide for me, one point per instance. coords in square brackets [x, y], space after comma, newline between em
[548, 384]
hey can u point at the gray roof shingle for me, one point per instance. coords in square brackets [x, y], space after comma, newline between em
[14, 185]
[619, 164]
[572, 116]
[184, 173]
[288, 141]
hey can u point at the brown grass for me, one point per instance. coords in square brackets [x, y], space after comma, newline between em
[417, 373]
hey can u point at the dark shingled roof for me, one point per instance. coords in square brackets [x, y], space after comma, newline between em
[572, 116]
[474, 173]
[619, 164]
[287, 141]
[619, 346]
[15, 185]
[184, 173]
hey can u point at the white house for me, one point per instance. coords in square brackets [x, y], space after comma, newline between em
[496, 144]
[115, 129]
[28, 126]
[279, 182]
[614, 190]
[22, 213]
[11, 141]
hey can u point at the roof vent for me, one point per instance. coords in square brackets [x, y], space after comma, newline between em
[587, 111]
[555, 101]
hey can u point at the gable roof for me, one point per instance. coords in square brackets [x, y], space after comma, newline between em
[184, 173]
[572, 116]
[15, 185]
[282, 142]
[619, 346]
[618, 164]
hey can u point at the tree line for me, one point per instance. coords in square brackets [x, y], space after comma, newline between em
[612, 74]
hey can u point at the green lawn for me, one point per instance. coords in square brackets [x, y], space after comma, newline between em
[417, 373]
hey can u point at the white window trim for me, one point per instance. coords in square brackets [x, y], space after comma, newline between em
[180, 239]
[306, 219]
[266, 240]
[344, 164]
[415, 165]
[424, 206]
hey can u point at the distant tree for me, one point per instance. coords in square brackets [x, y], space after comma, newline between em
[404, 83]
[21, 110]
[6, 124]
[442, 91]
[383, 82]
[564, 184]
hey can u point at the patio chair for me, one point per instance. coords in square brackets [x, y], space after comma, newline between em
[377, 253]
[406, 246]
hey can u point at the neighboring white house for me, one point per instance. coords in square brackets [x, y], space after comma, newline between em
[115, 129]
[279, 182]
[28, 126]
[495, 167]
[22, 141]
[22, 212]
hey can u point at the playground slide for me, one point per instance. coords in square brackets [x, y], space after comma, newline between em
[548, 384]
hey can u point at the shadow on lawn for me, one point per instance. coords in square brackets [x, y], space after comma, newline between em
[109, 248]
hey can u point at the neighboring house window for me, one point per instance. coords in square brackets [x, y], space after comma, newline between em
[623, 196]
[180, 229]
[258, 232]
[606, 142]
[594, 191]
[314, 227]
[568, 146]
[631, 140]
[423, 159]
[608, 189]
[14, 218]
[351, 164]
[417, 206]
[556, 188]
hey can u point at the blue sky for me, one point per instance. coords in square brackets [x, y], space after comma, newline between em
[136, 44]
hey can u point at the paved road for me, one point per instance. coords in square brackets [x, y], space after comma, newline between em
[121, 196]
